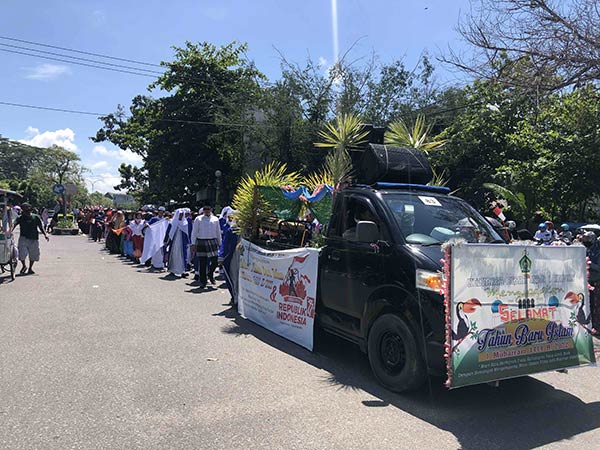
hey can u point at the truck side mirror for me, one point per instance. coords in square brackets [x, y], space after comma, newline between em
[367, 231]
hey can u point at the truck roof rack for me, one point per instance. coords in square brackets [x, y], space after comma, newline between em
[409, 186]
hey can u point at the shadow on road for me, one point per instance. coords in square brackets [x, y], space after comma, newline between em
[520, 414]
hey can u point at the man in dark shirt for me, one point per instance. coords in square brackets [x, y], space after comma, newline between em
[29, 244]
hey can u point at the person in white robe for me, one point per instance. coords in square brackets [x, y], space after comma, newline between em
[178, 244]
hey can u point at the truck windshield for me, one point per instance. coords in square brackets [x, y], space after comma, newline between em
[426, 219]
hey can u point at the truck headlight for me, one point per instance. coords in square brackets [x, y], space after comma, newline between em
[430, 281]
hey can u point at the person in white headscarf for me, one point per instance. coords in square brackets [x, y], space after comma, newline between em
[179, 242]
[158, 259]
[225, 213]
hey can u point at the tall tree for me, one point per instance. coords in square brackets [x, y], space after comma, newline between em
[559, 39]
[197, 128]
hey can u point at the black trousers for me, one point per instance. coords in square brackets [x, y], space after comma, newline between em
[206, 267]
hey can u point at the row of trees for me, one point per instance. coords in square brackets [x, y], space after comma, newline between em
[32, 172]
[525, 129]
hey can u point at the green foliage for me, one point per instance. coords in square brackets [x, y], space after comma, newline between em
[538, 153]
[345, 133]
[417, 136]
[516, 200]
[98, 199]
[32, 171]
[193, 130]
[251, 206]
[65, 221]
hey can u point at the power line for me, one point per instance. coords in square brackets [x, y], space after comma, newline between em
[78, 63]
[120, 67]
[46, 108]
[82, 59]
[197, 122]
[80, 51]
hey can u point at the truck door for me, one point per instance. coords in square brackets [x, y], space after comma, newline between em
[351, 269]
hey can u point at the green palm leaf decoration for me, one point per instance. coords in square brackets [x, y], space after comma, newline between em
[316, 179]
[417, 136]
[247, 195]
[344, 133]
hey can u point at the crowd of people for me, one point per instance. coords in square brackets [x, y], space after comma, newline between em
[179, 242]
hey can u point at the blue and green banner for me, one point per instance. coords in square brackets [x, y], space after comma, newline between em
[515, 310]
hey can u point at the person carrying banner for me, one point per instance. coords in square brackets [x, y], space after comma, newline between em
[226, 252]
[592, 246]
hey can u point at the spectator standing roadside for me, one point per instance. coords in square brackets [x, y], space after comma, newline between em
[206, 239]
[138, 238]
[29, 245]
[45, 217]
[158, 259]
[592, 246]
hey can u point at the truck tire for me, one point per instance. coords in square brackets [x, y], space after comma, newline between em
[394, 354]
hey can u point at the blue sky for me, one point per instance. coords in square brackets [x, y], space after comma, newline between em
[145, 31]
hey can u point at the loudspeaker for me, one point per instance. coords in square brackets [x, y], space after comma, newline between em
[386, 163]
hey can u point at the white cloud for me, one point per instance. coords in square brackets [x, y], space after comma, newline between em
[47, 72]
[119, 155]
[63, 138]
[103, 183]
[100, 150]
[100, 165]
[322, 61]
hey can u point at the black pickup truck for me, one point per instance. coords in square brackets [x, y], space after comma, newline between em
[380, 274]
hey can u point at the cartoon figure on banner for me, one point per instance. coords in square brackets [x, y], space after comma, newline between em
[581, 318]
[462, 327]
[293, 288]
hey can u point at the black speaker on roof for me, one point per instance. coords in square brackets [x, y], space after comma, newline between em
[391, 164]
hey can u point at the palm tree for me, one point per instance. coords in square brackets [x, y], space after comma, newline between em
[400, 135]
[342, 134]
[250, 205]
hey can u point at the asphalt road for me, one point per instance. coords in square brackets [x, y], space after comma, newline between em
[97, 353]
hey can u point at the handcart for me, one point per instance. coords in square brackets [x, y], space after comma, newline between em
[8, 255]
[8, 250]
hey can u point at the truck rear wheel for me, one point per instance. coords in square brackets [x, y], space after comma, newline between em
[394, 354]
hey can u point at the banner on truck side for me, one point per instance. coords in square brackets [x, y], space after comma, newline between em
[515, 310]
[278, 290]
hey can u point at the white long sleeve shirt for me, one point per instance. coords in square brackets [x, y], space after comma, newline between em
[206, 227]
[137, 228]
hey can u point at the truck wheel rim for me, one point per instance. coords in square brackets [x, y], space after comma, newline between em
[392, 353]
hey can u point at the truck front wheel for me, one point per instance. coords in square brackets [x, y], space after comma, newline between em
[394, 354]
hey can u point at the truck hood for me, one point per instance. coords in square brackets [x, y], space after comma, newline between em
[427, 257]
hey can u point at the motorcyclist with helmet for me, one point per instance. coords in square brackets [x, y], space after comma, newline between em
[543, 236]
[565, 234]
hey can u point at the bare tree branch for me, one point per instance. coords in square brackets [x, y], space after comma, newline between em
[560, 40]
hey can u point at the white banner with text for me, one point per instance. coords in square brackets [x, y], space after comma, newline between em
[278, 290]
